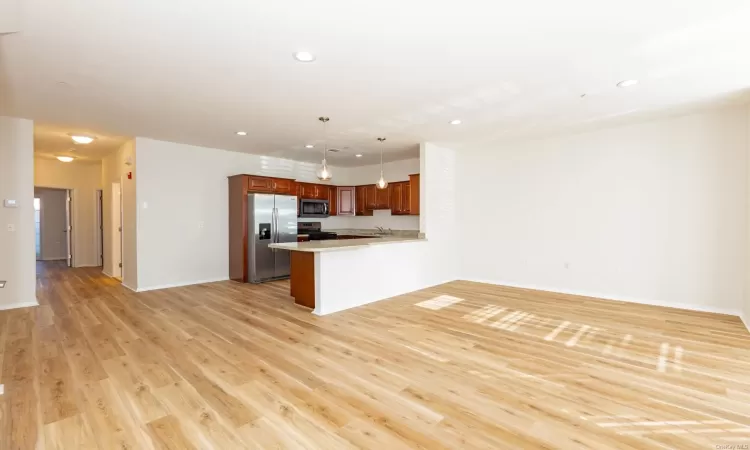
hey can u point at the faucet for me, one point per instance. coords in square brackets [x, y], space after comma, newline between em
[381, 230]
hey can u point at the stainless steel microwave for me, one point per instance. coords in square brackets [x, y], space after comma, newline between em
[313, 208]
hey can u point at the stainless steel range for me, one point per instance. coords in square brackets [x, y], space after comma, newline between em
[313, 230]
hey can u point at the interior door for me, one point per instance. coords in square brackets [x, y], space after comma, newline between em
[286, 226]
[115, 259]
[68, 229]
[260, 221]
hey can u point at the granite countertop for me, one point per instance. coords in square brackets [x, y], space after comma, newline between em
[373, 232]
[344, 244]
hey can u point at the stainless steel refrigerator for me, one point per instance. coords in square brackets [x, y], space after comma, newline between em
[271, 219]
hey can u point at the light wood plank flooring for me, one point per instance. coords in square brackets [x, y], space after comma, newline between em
[462, 365]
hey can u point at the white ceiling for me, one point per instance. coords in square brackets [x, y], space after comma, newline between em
[52, 141]
[197, 71]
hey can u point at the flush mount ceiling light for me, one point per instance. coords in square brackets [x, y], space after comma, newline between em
[381, 183]
[455, 122]
[304, 56]
[358, 155]
[241, 133]
[78, 139]
[627, 83]
[309, 146]
[65, 158]
[324, 173]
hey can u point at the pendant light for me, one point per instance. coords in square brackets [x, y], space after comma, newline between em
[381, 184]
[324, 173]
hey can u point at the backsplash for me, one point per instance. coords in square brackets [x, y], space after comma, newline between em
[380, 218]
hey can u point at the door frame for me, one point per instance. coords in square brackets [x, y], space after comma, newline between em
[99, 231]
[116, 230]
[71, 204]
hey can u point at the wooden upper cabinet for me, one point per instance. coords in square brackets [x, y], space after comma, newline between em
[383, 198]
[360, 202]
[284, 186]
[406, 198]
[414, 194]
[323, 192]
[306, 190]
[397, 201]
[332, 199]
[371, 200]
[259, 184]
[345, 196]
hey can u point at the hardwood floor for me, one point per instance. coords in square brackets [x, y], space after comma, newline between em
[462, 365]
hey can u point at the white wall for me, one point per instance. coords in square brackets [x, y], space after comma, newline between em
[83, 179]
[406, 266]
[653, 212]
[183, 234]
[114, 170]
[54, 240]
[17, 248]
[746, 309]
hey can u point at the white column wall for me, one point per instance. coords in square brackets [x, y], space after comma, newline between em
[17, 248]
[350, 278]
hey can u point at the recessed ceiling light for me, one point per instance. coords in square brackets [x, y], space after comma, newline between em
[309, 146]
[627, 83]
[82, 139]
[65, 158]
[456, 122]
[242, 133]
[358, 155]
[304, 56]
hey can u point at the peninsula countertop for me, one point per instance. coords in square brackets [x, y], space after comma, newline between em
[346, 244]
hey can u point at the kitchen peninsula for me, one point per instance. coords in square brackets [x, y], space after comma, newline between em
[334, 275]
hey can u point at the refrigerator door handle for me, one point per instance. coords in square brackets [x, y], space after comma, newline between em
[274, 229]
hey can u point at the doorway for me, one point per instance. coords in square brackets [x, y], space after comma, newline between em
[53, 225]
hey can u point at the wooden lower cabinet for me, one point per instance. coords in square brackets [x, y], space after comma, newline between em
[302, 279]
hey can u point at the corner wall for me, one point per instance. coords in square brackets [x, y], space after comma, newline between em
[652, 213]
[396, 269]
[17, 248]
[114, 170]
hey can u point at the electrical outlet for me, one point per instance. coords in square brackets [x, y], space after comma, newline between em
[11, 227]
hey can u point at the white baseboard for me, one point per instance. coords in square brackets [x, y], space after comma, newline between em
[18, 305]
[88, 265]
[132, 289]
[691, 307]
[62, 258]
[187, 283]
[104, 271]
[746, 321]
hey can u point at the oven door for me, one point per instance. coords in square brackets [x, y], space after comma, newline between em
[313, 208]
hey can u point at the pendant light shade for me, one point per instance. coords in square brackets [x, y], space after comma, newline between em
[381, 183]
[324, 173]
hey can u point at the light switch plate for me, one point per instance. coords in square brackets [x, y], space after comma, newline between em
[8, 203]
[2, 284]
[11, 227]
